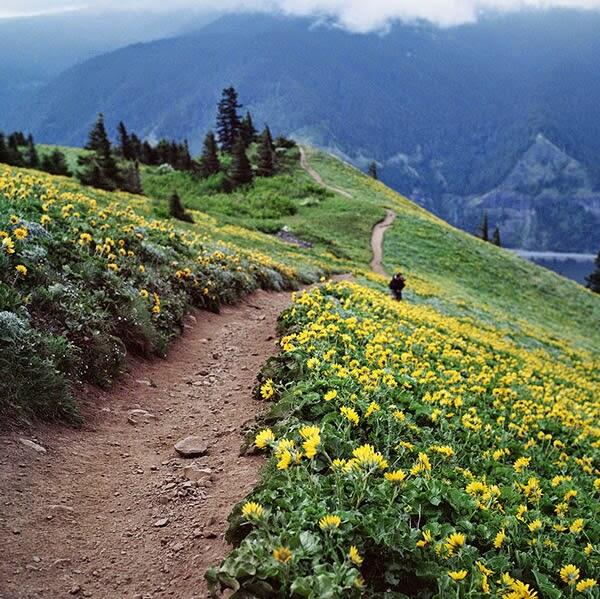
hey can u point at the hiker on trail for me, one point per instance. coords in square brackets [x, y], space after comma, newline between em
[397, 284]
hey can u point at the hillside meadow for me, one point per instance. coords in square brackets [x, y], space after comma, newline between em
[444, 446]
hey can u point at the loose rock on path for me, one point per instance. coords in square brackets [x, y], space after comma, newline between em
[112, 509]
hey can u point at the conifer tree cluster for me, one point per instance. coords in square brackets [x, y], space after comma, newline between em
[235, 136]
[16, 149]
[166, 151]
[484, 232]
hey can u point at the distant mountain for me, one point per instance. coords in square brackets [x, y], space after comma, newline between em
[34, 50]
[493, 115]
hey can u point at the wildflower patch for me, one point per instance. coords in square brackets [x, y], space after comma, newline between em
[417, 455]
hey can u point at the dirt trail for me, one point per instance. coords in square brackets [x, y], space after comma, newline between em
[313, 173]
[107, 512]
[377, 241]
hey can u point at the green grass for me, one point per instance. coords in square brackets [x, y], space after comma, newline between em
[446, 267]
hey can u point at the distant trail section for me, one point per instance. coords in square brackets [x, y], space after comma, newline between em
[111, 509]
[318, 179]
[377, 242]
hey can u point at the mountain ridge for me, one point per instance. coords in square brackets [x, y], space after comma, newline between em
[446, 113]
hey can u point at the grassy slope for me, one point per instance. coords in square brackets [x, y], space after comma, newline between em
[469, 276]
[446, 267]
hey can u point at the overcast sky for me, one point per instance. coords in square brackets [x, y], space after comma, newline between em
[356, 15]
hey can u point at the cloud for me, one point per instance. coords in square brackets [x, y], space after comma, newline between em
[355, 15]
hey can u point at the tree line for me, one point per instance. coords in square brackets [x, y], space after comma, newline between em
[110, 167]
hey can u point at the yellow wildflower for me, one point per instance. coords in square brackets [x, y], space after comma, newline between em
[329, 522]
[252, 510]
[586, 584]
[355, 556]
[396, 476]
[458, 575]
[264, 438]
[282, 554]
[21, 269]
[569, 574]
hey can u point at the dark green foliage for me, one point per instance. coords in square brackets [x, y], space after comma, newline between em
[372, 170]
[248, 130]
[484, 232]
[31, 155]
[593, 281]
[55, 163]
[265, 160]
[100, 168]
[209, 161]
[283, 142]
[32, 381]
[126, 146]
[240, 171]
[228, 120]
[496, 237]
[9, 151]
[131, 181]
[177, 210]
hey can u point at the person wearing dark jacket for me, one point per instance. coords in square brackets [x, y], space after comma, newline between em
[397, 284]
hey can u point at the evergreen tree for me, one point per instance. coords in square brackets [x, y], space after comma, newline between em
[100, 168]
[209, 161]
[496, 237]
[265, 166]
[176, 209]
[593, 280]
[228, 121]
[372, 171]
[267, 132]
[3, 149]
[240, 171]
[97, 137]
[484, 232]
[131, 179]
[248, 130]
[125, 144]
[55, 163]
[31, 155]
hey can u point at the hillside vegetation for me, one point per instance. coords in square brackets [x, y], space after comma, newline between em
[445, 446]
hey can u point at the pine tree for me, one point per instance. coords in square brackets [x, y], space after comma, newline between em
[496, 237]
[176, 209]
[125, 146]
[131, 179]
[3, 149]
[265, 166]
[372, 171]
[228, 121]
[248, 130]
[31, 155]
[484, 232]
[593, 280]
[267, 132]
[100, 168]
[209, 161]
[97, 137]
[55, 163]
[240, 172]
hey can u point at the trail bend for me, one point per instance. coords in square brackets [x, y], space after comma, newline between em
[316, 177]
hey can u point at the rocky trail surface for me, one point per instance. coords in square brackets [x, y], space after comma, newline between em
[112, 509]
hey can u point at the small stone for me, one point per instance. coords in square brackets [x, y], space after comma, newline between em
[75, 589]
[191, 447]
[32, 445]
[194, 473]
[161, 522]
